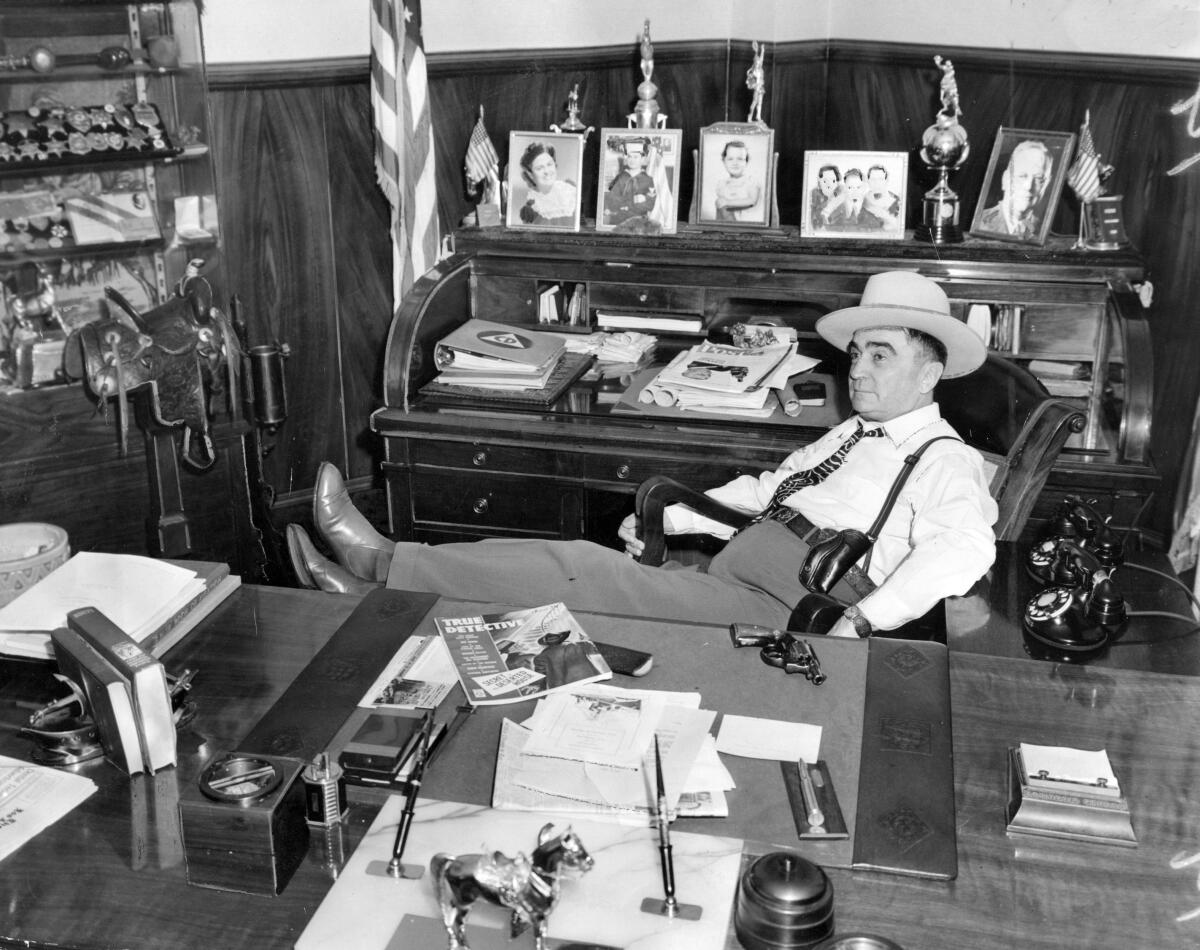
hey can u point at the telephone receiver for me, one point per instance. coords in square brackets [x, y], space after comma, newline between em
[1075, 522]
[1077, 617]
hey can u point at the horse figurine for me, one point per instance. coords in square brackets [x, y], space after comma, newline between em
[528, 886]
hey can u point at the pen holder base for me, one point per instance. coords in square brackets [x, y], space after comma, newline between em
[405, 872]
[659, 906]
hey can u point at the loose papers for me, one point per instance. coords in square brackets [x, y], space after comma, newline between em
[592, 750]
[33, 797]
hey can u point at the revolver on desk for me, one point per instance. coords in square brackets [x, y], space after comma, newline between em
[779, 648]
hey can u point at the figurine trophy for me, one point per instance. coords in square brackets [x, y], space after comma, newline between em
[756, 82]
[645, 114]
[943, 148]
[572, 122]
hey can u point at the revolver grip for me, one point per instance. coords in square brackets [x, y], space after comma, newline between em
[753, 635]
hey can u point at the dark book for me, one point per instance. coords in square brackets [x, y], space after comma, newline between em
[145, 676]
[569, 369]
[107, 695]
[218, 585]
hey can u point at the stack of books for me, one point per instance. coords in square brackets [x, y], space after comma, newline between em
[482, 360]
[124, 689]
[155, 602]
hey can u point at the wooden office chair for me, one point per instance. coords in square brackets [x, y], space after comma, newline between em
[1001, 409]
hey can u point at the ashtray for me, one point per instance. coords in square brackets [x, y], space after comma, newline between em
[858, 942]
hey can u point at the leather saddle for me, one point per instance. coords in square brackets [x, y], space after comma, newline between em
[171, 353]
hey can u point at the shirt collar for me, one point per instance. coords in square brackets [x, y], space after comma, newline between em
[902, 428]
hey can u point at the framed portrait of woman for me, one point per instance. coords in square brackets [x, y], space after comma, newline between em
[638, 182]
[1024, 180]
[736, 182]
[544, 171]
[855, 195]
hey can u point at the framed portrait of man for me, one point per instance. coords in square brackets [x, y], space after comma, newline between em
[638, 182]
[735, 176]
[855, 195]
[1024, 180]
[544, 172]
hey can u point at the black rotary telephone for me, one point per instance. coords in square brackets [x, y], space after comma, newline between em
[1079, 612]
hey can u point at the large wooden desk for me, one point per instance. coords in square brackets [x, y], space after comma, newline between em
[81, 884]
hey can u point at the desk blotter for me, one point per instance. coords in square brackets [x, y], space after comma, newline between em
[365, 910]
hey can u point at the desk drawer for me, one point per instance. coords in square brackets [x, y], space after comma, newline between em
[483, 457]
[632, 470]
[486, 502]
[646, 297]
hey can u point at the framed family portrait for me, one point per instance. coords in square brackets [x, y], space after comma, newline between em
[1024, 180]
[855, 194]
[544, 171]
[735, 178]
[638, 181]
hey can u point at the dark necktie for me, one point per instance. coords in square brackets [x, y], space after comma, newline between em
[817, 474]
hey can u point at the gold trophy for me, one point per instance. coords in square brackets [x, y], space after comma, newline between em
[944, 148]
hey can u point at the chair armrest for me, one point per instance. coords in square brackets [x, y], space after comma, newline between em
[653, 496]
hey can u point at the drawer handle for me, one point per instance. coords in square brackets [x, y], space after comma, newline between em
[479, 458]
[623, 471]
[480, 506]
[642, 298]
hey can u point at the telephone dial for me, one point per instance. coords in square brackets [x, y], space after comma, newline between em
[1080, 611]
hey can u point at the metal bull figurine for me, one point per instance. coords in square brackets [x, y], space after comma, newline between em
[172, 353]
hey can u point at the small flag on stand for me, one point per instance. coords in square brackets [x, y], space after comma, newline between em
[404, 156]
[1088, 172]
[482, 163]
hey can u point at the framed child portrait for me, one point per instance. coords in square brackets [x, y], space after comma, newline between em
[855, 194]
[544, 171]
[735, 177]
[638, 181]
[1024, 180]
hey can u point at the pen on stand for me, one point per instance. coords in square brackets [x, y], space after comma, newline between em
[664, 837]
[395, 868]
[815, 817]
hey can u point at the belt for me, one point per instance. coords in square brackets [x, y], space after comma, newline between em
[808, 532]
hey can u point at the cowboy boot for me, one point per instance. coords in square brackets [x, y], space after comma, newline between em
[323, 574]
[355, 543]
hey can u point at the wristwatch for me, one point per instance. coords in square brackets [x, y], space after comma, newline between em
[862, 626]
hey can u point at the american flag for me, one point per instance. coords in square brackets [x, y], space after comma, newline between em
[482, 161]
[1085, 175]
[404, 157]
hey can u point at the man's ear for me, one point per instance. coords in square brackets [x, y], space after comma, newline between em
[930, 374]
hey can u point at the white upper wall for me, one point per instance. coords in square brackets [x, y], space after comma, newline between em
[237, 31]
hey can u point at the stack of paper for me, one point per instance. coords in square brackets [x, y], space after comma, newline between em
[139, 594]
[591, 750]
[33, 797]
[731, 380]
[497, 356]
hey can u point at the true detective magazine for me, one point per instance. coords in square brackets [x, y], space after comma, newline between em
[520, 654]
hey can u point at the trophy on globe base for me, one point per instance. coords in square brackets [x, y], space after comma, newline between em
[944, 148]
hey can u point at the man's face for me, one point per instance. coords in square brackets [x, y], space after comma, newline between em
[855, 187]
[827, 183]
[735, 161]
[889, 375]
[635, 160]
[1024, 179]
[877, 182]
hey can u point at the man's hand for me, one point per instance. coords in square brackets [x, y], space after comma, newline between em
[843, 628]
[634, 546]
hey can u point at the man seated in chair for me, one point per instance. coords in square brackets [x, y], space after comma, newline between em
[937, 541]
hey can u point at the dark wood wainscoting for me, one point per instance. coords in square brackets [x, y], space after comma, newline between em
[305, 227]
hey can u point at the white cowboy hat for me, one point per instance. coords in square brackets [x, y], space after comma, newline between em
[900, 298]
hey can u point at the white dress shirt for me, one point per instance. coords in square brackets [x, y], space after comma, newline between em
[938, 540]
